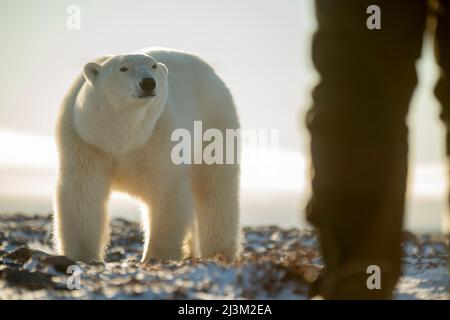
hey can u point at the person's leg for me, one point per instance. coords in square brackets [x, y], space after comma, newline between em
[442, 91]
[359, 139]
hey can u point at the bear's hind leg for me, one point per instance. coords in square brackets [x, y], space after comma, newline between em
[216, 189]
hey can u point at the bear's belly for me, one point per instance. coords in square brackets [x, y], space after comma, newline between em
[143, 172]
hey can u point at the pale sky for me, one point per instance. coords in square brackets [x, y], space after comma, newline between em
[261, 48]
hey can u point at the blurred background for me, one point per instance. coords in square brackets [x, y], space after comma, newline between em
[260, 48]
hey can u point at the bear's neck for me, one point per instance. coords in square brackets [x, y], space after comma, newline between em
[113, 131]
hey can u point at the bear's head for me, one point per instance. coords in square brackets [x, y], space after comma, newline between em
[128, 80]
[120, 102]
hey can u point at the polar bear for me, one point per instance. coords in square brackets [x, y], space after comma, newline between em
[114, 133]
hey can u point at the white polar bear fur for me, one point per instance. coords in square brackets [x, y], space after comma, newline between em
[109, 140]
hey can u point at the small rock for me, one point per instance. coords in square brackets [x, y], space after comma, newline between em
[59, 263]
[25, 279]
[115, 255]
[410, 237]
[20, 255]
[311, 274]
[276, 236]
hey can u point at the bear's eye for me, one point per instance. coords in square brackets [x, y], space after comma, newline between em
[154, 66]
[123, 69]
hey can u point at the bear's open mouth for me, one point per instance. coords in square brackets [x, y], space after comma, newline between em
[144, 95]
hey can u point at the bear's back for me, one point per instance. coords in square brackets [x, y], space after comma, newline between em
[195, 81]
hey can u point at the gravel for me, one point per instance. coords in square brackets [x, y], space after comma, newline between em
[275, 264]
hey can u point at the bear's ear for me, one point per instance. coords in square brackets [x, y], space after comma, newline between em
[91, 71]
[163, 66]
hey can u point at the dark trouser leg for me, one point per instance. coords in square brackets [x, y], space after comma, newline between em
[442, 90]
[359, 139]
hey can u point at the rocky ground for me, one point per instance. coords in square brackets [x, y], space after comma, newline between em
[275, 264]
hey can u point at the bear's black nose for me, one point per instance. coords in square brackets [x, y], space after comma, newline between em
[147, 84]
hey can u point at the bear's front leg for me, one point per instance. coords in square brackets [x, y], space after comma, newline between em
[167, 223]
[81, 222]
